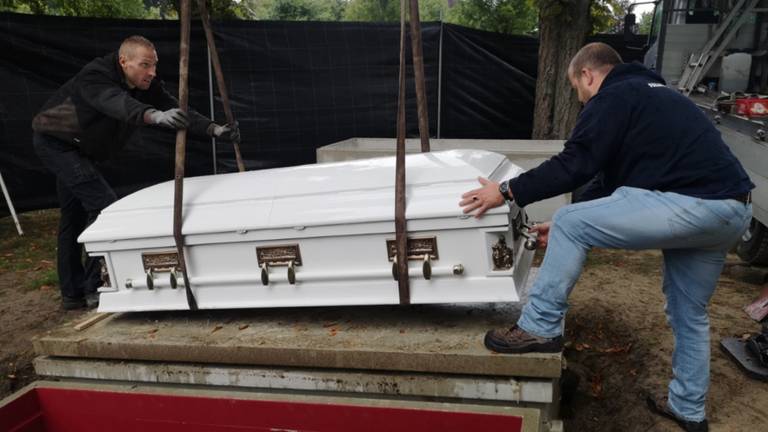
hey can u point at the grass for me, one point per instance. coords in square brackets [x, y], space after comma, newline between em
[35, 251]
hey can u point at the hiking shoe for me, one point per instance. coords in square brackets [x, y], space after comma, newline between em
[658, 405]
[517, 341]
[72, 303]
[92, 300]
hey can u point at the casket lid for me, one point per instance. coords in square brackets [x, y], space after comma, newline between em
[339, 193]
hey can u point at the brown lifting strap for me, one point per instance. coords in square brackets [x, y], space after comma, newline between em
[401, 232]
[181, 143]
[220, 79]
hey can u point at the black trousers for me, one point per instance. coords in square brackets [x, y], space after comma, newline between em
[83, 193]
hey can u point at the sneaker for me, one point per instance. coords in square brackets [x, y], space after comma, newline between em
[92, 300]
[72, 303]
[517, 341]
[659, 405]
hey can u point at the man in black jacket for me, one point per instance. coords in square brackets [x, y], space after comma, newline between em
[88, 120]
[662, 178]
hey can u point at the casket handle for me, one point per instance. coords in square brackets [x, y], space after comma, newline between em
[395, 273]
[291, 273]
[150, 280]
[426, 268]
[174, 279]
[265, 274]
[531, 242]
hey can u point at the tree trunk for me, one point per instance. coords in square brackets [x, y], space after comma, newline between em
[563, 29]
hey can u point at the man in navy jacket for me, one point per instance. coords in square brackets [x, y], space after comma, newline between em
[660, 177]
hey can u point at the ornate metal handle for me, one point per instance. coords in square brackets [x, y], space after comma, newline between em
[291, 273]
[265, 274]
[426, 268]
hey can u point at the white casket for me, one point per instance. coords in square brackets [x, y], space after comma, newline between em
[314, 235]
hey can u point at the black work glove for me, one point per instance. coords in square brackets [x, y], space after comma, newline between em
[174, 118]
[227, 132]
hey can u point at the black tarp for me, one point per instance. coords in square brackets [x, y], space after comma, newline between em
[294, 86]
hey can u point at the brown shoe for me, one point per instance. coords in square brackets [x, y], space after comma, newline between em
[517, 341]
[659, 405]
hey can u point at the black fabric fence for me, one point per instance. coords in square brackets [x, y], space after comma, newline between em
[294, 86]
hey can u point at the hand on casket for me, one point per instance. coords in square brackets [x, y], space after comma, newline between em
[482, 199]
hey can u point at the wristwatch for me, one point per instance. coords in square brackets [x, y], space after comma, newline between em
[504, 190]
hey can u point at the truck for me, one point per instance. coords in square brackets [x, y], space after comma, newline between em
[716, 53]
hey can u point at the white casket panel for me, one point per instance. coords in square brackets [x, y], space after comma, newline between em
[321, 230]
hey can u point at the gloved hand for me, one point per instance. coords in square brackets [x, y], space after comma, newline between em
[174, 118]
[228, 132]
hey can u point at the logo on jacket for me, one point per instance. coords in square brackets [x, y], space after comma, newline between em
[653, 85]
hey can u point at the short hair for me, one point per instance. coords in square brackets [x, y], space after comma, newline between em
[131, 42]
[596, 55]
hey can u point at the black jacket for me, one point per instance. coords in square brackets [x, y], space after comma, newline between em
[637, 132]
[97, 112]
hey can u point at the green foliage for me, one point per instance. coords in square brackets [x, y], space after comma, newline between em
[503, 16]
[644, 23]
[389, 10]
[294, 10]
[608, 15]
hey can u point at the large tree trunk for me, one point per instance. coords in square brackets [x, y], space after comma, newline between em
[563, 29]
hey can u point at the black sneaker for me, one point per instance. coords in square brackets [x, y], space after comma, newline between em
[658, 405]
[517, 341]
[92, 300]
[70, 303]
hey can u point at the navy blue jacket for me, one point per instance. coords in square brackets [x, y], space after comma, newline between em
[637, 132]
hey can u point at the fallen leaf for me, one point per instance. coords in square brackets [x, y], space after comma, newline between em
[217, 328]
[596, 385]
[153, 331]
[402, 331]
[329, 324]
[243, 327]
[613, 350]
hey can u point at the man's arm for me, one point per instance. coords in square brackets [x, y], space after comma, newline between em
[595, 141]
[161, 99]
[107, 97]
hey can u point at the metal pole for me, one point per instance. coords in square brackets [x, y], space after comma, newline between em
[418, 72]
[440, 79]
[181, 143]
[10, 205]
[401, 235]
[220, 80]
[213, 111]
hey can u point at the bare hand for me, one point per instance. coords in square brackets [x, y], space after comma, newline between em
[542, 231]
[482, 199]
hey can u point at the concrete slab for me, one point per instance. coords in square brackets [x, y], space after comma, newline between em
[395, 384]
[423, 338]
[525, 153]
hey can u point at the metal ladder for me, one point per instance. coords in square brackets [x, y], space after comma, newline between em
[699, 64]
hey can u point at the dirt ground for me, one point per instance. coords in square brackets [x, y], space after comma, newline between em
[618, 342]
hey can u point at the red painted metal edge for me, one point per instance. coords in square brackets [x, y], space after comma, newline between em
[77, 410]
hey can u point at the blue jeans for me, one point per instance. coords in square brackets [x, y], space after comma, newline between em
[694, 236]
[82, 193]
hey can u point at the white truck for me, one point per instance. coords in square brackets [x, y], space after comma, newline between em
[716, 52]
